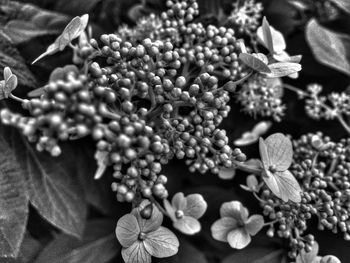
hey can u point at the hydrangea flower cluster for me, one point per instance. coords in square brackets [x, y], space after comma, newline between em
[321, 167]
[143, 101]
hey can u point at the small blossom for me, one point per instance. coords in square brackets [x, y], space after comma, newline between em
[234, 226]
[185, 212]
[142, 238]
[277, 154]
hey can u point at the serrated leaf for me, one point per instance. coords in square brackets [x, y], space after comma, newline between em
[13, 202]
[254, 63]
[73, 30]
[53, 188]
[343, 5]
[282, 69]
[98, 245]
[329, 48]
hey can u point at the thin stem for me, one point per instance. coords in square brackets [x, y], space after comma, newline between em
[16, 98]
[325, 106]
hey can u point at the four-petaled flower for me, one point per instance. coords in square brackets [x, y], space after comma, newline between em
[276, 154]
[185, 212]
[142, 238]
[234, 226]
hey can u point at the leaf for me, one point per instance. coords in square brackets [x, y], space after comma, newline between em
[254, 63]
[13, 202]
[73, 30]
[282, 69]
[187, 253]
[329, 48]
[97, 246]
[342, 4]
[10, 57]
[52, 186]
[257, 254]
[27, 21]
[226, 173]
[76, 7]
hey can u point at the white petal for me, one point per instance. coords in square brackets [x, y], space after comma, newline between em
[136, 254]
[238, 238]
[161, 243]
[127, 230]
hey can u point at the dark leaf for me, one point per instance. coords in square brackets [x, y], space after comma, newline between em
[13, 202]
[10, 57]
[187, 253]
[98, 245]
[254, 63]
[28, 21]
[76, 7]
[53, 188]
[329, 48]
[257, 255]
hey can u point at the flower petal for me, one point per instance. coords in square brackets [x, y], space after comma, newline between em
[221, 228]
[196, 206]
[279, 150]
[179, 201]
[127, 230]
[289, 186]
[238, 238]
[151, 224]
[136, 253]
[170, 210]
[265, 159]
[161, 243]
[235, 210]
[188, 225]
[271, 182]
[254, 224]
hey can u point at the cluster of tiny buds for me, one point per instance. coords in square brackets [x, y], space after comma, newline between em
[322, 168]
[259, 96]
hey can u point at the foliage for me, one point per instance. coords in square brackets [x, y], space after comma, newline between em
[123, 120]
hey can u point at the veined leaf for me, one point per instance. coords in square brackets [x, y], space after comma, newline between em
[329, 48]
[52, 185]
[254, 63]
[13, 202]
[97, 245]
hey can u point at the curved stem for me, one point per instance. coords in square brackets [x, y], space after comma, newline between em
[16, 98]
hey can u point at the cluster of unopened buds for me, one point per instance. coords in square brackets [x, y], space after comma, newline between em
[148, 94]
